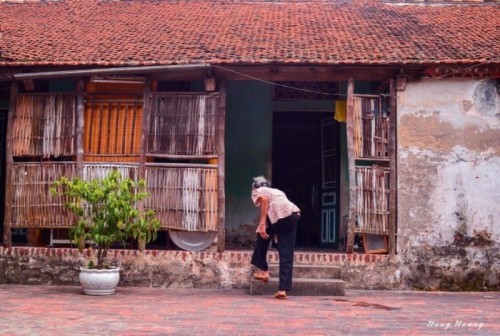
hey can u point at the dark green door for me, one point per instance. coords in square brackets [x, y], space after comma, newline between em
[329, 182]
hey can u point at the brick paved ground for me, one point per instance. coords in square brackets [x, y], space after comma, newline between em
[55, 310]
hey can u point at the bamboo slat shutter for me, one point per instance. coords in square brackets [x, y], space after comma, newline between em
[112, 128]
[45, 125]
[372, 173]
[372, 199]
[44, 129]
[182, 127]
[32, 203]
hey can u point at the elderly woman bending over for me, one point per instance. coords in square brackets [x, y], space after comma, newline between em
[283, 216]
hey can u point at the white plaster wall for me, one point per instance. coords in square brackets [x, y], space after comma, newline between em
[463, 173]
[449, 174]
[459, 102]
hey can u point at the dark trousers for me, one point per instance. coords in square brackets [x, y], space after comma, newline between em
[285, 229]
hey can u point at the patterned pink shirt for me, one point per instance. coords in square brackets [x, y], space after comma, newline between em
[279, 205]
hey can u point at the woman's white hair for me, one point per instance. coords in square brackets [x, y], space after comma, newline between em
[260, 181]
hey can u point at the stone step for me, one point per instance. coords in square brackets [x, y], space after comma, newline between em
[309, 271]
[300, 287]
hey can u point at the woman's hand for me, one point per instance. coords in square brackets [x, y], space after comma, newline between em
[261, 230]
[264, 206]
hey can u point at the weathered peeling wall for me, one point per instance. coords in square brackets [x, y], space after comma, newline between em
[154, 268]
[449, 184]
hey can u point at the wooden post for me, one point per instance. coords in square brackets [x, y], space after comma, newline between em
[9, 165]
[392, 170]
[146, 109]
[221, 160]
[352, 169]
[80, 117]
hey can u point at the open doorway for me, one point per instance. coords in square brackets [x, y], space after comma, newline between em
[305, 166]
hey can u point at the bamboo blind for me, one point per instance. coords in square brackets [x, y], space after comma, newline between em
[183, 198]
[182, 124]
[45, 125]
[371, 128]
[372, 199]
[112, 129]
[101, 170]
[32, 203]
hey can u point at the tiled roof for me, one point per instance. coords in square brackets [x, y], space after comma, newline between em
[142, 32]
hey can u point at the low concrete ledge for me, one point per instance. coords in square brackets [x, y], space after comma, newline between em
[183, 269]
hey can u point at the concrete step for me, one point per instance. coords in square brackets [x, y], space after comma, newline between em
[309, 271]
[300, 287]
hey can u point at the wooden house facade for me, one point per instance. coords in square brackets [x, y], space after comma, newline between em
[167, 138]
[175, 141]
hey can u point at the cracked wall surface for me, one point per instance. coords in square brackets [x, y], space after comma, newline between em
[449, 184]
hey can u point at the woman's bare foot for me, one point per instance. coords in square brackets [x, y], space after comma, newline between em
[281, 295]
[261, 275]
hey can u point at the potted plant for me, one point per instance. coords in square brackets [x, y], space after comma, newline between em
[107, 213]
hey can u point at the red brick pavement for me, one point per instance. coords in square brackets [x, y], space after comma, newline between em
[56, 310]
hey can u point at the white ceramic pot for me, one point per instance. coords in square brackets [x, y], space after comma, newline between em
[99, 281]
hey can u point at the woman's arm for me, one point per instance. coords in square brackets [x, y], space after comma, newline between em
[263, 202]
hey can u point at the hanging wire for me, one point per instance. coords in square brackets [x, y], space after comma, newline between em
[278, 84]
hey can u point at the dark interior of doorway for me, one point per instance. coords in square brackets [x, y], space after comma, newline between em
[296, 168]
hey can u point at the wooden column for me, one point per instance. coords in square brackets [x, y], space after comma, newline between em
[351, 163]
[146, 109]
[392, 170]
[80, 117]
[221, 162]
[9, 166]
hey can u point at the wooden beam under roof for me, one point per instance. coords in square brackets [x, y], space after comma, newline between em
[269, 72]
[479, 71]
[309, 73]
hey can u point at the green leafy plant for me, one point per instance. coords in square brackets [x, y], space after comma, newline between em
[144, 228]
[106, 211]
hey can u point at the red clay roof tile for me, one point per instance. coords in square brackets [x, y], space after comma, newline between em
[133, 32]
